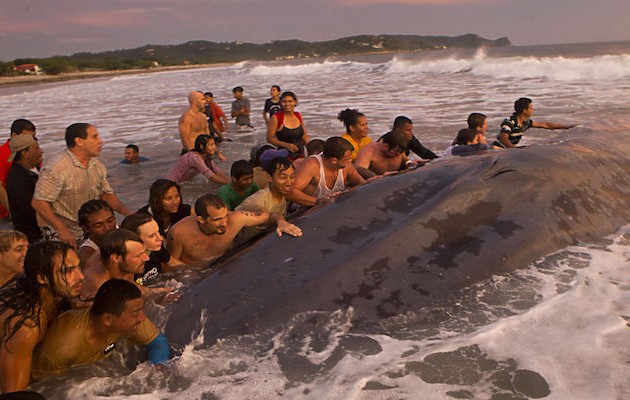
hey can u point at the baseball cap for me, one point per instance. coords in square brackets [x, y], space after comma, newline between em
[269, 155]
[19, 143]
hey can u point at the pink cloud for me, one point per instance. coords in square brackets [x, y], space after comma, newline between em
[411, 2]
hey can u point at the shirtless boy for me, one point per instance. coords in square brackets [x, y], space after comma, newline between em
[206, 236]
[13, 246]
[384, 156]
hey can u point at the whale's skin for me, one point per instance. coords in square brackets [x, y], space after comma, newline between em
[396, 244]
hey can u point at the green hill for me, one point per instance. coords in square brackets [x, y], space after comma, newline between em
[206, 52]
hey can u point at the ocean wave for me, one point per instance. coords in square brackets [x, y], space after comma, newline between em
[557, 68]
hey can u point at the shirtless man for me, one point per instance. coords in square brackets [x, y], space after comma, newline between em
[325, 173]
[209, 233]
[193, 121]
[30, 303]
[122, 255]
[13, 246]
[384, 156]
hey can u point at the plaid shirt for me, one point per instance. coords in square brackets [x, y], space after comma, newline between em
[67, 184]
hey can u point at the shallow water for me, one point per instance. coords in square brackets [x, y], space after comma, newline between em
[558, 329]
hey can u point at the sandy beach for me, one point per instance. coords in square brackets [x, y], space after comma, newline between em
[8, 81]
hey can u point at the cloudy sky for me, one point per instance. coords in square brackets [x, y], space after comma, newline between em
[41, 28]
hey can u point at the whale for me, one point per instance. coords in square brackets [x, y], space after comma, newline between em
[404, 241]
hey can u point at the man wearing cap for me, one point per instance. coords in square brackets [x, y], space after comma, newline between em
[21, 180]
[74, 178]
[18, 127]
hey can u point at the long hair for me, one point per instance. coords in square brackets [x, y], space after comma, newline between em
[20, 299]
[156, 194]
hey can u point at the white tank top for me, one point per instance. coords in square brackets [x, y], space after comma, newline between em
[322, 190]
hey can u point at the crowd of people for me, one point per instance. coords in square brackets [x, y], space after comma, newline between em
[73, 282]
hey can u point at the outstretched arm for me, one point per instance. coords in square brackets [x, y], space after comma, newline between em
[551, 125]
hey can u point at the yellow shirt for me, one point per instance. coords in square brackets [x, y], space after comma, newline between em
[357, 145]
[66, 345]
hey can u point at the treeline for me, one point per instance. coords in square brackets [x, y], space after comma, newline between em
[206, 52]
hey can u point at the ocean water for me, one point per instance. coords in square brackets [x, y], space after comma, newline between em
[558, 329]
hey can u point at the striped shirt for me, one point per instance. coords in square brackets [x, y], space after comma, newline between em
[67, 184]
[513, 130]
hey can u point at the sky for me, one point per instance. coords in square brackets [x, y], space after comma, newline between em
[43, 28]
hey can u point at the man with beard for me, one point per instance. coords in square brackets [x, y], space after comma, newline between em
[206, 236]
[28, 304]
[326, 173]
[122, 255]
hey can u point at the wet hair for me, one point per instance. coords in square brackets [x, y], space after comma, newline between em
[237, 89]
[133, 147]
[92, 207]
[400, 121]
[464, 136]
[349, 117]
[156, 195]
[113, 296]
[288, 94]
[20, 125]
[113, 243]
[336, 147]
[315, 146]
[476, 120]
[209, 94]
[78, 130]
[277, 87]
[521, 104]
[20, 298]
[278, 163]
[396, 139]
[206, 200]
[134, 221]
[240, 168]
[7, 238]
[201, 142]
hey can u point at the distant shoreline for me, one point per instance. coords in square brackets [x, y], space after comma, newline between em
[22, 80]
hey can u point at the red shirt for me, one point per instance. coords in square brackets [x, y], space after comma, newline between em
[217, 112]
[5, 152]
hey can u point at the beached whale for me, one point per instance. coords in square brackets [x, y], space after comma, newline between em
[403, 241]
